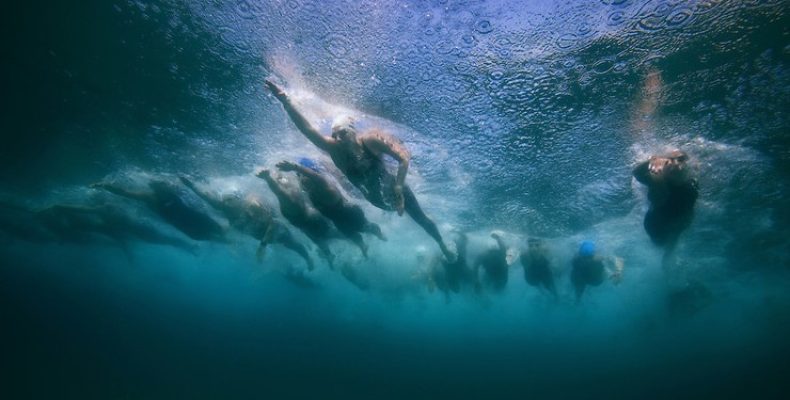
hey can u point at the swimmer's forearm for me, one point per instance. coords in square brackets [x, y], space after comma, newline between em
[403, 168]
[300, 121]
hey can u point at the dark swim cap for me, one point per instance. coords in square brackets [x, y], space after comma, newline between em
[587, 248]
[308, 163]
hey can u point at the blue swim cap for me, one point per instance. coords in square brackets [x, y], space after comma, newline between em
[308, 163]
[587, 248]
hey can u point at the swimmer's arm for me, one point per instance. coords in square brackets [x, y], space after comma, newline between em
[380, 144]
[304, 126]
[308, 173]
[210, 198]
[642, 172]
[273, 184]
[500, 243]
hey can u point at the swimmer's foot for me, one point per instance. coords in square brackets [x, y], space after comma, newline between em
[450, 254]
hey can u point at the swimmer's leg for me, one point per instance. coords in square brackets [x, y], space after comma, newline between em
[415, 212]
[357, 239]
[323, 249]
[298, 248]
[375, 229]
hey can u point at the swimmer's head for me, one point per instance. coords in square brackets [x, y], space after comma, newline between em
[587, 249]
[308, 163]
[343, 128]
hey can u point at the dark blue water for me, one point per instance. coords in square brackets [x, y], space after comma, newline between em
[526, 118]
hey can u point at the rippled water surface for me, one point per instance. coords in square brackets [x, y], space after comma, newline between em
[521, 116]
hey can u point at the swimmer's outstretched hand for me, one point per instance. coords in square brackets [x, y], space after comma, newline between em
[263, 173]
[286, 166]
[399, 204]
[276, 90]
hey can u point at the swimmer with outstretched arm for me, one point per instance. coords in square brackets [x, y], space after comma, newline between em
[251, 216]
[327, 199]
[360, 158]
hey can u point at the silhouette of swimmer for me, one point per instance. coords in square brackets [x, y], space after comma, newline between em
[672, 194]
[252, 217]
[457, 272]
[494, 263]
[589, 268]
[300, 214]
[81, 224]
[78, 223]
[175, 205]
[361, 159]
[537, 267]
[348, 218]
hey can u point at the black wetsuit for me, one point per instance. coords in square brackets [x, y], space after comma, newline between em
[671, 206]
[368, 173]
[181, 209]
[494, 264]
[537, 270]
[458, 271]
[587, 271]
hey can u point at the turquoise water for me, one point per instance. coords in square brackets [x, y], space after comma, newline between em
[525, 118]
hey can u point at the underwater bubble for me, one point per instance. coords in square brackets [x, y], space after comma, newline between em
[679, 18]
[468, 40]
[650, 23]
[615, 18]
[566, 41]
[602, 66]
[293, 4]
[246, 10]
[584, 29]
[444, 47]
[337, 45]
[483, 26]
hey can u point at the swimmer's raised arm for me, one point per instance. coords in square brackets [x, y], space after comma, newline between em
[304, 126]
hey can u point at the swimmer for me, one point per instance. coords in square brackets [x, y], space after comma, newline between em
[80, 223]
[360, 156]
[252, 217]
[589, 268]
[537, 268]
[671, 193]
[451, 276]
[329, 201]
[495, 264]
[300, 214]
[176, 206]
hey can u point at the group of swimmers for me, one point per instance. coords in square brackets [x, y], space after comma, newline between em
[315, 204]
